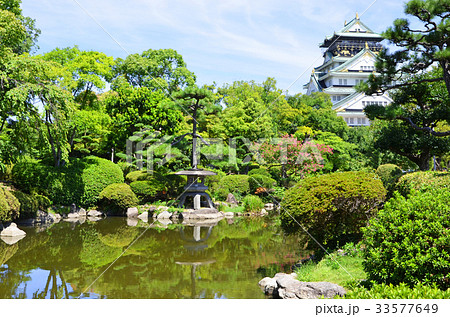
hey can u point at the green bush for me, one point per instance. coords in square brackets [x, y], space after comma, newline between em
[332, 207]
[31, 203]
[9, 205]
[259, 171]
[116, 198]
[259, 183]
[409, 241]
[173, 184]
[422, 181]
[234, 184]
[252, 203]
[389, 175]
[147, 191]
[80, 182]
[136, 176]
[401, 291]
[97, 174]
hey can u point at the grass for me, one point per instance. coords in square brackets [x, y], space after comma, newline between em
[344, 270]
[234, 209]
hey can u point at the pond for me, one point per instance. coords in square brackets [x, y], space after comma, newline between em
[111, 259]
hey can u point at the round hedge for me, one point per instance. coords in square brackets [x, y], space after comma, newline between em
[252, 203]
[332, 207]
[116, 198]
[80, 182]
[9, 205]
[409, 240]
[147, 191]
[97, 174]
[422, 181]
[234, 184]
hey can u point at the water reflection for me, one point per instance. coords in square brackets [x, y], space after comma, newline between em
[190, 260]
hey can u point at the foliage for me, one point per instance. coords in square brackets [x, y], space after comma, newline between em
[94, 253]
[401, 291]
[237, 185]
[259, 171]
[420, 97]
[296, 156]
[332, 207]
[408, 240]
[389, 175]
[9, 205]
[80, 182]
[252, 203]
[162, 69]
[31, 203]
[260, 183]
[422, 181]
[116, 198]
[148, 190]
[97, 174]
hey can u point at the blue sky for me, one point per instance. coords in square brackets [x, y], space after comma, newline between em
[220, 41]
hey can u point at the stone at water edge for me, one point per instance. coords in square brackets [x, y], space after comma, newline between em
[12, 231]
[287, 286]
[82, 212]
[269, 207]
[143, 216]
[94, 213]
[132, 212]
[229, 214]
[231, 199]
[164, 215]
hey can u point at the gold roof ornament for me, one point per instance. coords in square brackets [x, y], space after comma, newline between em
[357, 16]
[367, 45]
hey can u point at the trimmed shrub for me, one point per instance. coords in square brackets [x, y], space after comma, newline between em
[116, 198]
[137, 176]
[147, 191]
[9, 205]
[389, 175]
[31, 203]
[259, 183]
[252, 203]
[332, 207]
[80, 182]
[97, 174]
[422, 181]
[409, 241]
[259, 171]
[238, 185]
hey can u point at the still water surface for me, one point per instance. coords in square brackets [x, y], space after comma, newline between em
[110, 259]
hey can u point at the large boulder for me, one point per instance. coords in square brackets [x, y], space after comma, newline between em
[286, 286]
[232, 200]
[132, 212]
[12, 231]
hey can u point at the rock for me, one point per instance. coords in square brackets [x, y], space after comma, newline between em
[143, 216]
[73, 215]
[73, 208]
[269, 207]
[231, 200]
[264, 212]
[164, 215]
[94, 213]
[288, 287]
[229, 214]
[12, 231]
[269, 286]
[132, 212]
[82, 212]
[165, 222]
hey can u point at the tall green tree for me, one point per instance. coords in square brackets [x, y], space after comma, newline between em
[162, 69]
[405, 72]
